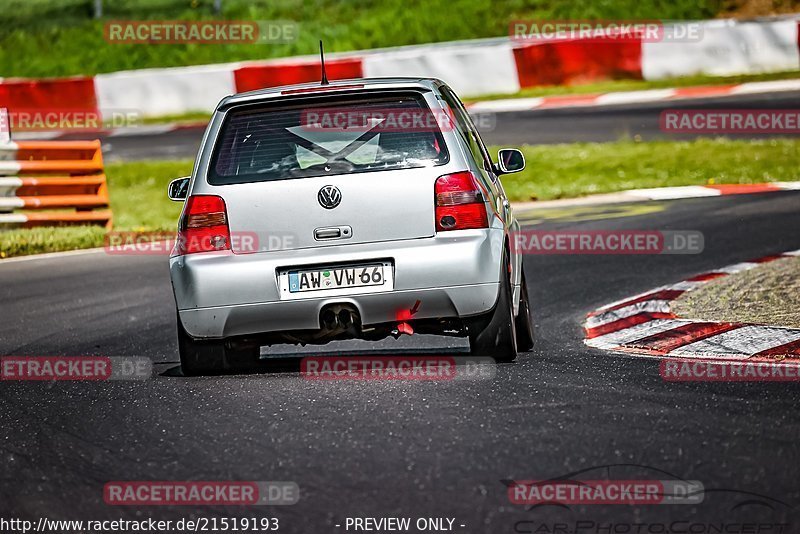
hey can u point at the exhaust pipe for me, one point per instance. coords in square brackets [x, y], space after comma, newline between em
[329, 319]
[345, 318]
[338, 319]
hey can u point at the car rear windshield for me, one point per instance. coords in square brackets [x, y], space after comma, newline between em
[327, 136]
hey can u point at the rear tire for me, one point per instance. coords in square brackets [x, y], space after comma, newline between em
[524, 321]
[494, 334]
[203, 357]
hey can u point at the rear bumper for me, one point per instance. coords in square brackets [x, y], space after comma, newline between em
[223, 294]
[374, 308]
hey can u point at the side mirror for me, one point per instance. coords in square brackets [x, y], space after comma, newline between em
[178, 189]
[510, 160]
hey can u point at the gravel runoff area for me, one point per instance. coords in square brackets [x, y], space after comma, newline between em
[768, 294]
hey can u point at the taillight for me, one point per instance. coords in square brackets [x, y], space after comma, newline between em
[203, 226]
[459, 203]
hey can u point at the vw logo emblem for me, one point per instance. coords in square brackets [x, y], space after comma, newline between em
[329, 197]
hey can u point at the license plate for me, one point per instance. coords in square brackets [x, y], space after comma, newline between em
[337, 278]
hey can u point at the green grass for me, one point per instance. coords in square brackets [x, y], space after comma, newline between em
[573, 170]
[57, 37]
[138, 193]
[191, 117]
[25, 241]
[139, 202]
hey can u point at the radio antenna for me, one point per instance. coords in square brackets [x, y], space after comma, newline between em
[322, 64]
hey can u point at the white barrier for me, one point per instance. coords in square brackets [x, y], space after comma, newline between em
[727, 48]
[471, 70]
[172, 91]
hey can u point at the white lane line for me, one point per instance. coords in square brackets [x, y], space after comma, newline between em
[646, 306]
[49, 255]
[602, 309]
[150, 129]
[633, 97]
[670, 193]
[740, 343]
[39, 136]
[737, 267]
[766, 87]
[641, 331]
[680, 286]
[686, 285]
[499, 106]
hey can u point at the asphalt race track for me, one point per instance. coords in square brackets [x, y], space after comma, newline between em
[544, 126]
[610, 123]
[407, 448]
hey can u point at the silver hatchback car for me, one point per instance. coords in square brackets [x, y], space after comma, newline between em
[360, 209]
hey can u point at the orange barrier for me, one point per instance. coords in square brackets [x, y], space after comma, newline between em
[67, 174]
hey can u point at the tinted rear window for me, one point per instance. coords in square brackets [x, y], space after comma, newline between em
[327, 136]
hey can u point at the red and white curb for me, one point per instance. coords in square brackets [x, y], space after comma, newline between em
[645, 325]
[699, 191]
[659, 193]
[631, 97]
